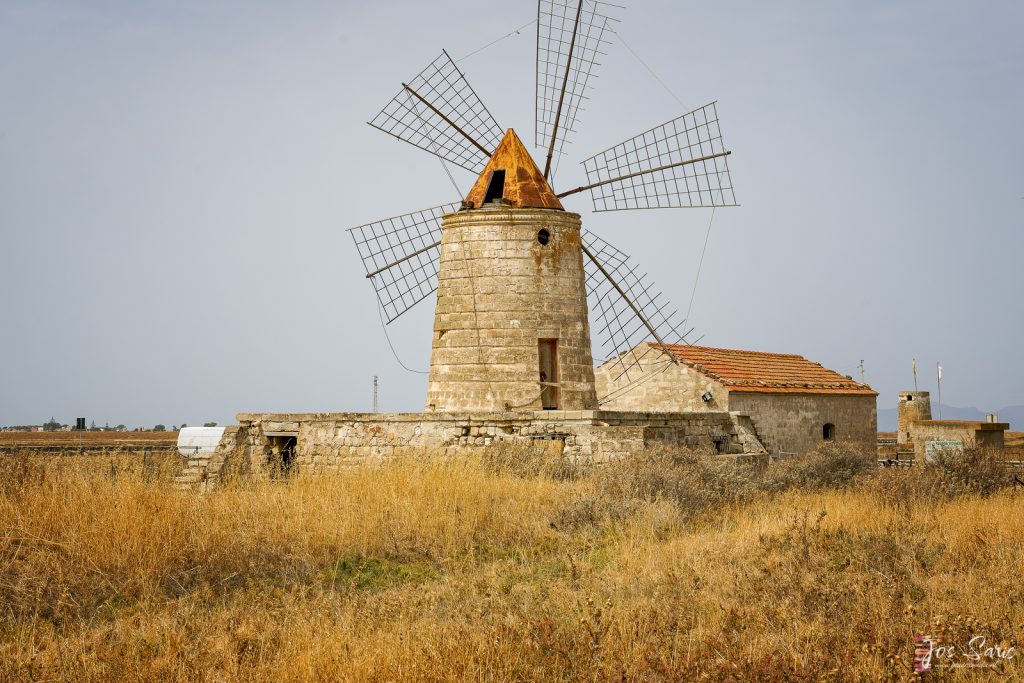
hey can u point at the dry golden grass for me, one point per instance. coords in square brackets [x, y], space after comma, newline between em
[422, 569]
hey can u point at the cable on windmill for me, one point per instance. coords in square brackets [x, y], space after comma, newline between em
[456, 125]
[401, 256]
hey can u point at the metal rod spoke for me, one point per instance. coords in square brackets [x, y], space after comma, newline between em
[448, 120]
[680, 163]
[583, 188]
[455, 125]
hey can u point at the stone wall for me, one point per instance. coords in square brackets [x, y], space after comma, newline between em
[499, 291]
[968, 432]
[332, 441]
[651, 381]
[793, 423]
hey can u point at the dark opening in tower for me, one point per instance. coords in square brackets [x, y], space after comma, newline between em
[496, 188]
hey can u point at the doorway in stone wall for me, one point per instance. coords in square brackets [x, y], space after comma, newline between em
[281, 453]
[547, 354]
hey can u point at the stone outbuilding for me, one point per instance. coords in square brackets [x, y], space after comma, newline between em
[793, 403]
[917, 430]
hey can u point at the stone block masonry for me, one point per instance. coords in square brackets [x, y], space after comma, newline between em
[502, 292]
[795, 422]
[327, 442]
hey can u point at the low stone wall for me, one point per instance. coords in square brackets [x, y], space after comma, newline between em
[314, 442]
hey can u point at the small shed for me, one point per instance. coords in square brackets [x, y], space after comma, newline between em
[794, 403]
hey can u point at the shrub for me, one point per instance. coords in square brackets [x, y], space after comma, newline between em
[692, 481]
[952, 473]
[530, 459]
[832, 464]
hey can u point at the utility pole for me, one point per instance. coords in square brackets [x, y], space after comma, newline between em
[940, 388]
[375, 392]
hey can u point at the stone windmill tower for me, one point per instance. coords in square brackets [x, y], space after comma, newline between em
[517, 279]
[510, 326]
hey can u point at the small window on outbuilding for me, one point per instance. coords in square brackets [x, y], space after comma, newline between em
[495, 188]
[828, 432]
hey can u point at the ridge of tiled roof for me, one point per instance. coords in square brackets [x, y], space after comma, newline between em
[763, 372]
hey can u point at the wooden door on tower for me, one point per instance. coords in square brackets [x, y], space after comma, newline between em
[547, 353]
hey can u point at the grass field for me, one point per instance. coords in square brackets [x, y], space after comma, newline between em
[663, 568]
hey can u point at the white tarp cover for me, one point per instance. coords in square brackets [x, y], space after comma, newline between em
[192, 440]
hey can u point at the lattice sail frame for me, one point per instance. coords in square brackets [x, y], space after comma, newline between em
[694, 135]
[445, 87]
[617, 324]
[556, 20]
[401, 256]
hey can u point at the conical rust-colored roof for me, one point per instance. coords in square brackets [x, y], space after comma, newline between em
[524, 185]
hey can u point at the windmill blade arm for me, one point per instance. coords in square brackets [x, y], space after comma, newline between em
[680, 163]
[627, 309]
[561, 96]
[571, 36]
[447, 120]
[403, 259]
[439, 112]
[583, 188]
[625, 297]
[400, 255]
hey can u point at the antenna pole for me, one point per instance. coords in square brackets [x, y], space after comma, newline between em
[448, 121]
[861, 366]
[583, 188]
[643, 319]
[561, 97]
[375, 384]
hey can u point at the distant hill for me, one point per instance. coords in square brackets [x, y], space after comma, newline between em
[1012, 414]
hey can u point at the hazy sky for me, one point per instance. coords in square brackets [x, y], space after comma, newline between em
[176, 179]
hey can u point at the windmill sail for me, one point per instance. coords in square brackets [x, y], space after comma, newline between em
[681, 163]
[438, 111]
[625, 308]
[401, 256]
[571, 35]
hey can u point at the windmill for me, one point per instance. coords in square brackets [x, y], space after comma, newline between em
[516, 276]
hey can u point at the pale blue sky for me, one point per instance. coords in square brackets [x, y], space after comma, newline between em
[176, 179]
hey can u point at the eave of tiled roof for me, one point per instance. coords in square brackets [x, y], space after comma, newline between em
[765, 373]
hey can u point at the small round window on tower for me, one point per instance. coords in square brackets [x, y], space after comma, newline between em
[543, 236]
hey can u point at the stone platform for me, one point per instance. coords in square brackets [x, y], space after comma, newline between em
[312, 442]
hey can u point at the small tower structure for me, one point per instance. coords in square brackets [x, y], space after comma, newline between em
[511, 330]
[912, 407]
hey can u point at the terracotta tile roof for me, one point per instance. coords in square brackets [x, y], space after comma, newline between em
[760, 372]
